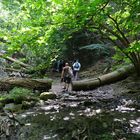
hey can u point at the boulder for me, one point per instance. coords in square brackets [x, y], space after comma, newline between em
[47, 95]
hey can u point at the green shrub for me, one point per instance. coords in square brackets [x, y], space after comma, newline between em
[19, 94]
[17, 91]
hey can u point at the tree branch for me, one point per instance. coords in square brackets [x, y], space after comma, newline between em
[114, 33]
[118, 28]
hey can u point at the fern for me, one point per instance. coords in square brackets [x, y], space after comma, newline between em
[99, 49]
[93, 46]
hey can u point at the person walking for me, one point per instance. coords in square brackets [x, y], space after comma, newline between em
[66, 76]
[76, 68]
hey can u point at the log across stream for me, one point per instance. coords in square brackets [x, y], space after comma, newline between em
[35, 84]
[45, 84]
[102, 80]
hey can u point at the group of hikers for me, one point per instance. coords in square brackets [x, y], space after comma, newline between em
[70, 73]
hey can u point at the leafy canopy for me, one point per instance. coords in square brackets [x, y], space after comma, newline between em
[40, 28]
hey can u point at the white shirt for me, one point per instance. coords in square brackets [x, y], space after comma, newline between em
[76, 68]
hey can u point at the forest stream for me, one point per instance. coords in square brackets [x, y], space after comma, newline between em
[110, 112]
[46, 42]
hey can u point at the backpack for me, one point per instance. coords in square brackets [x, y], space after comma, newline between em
[69, 73]
[76, 65]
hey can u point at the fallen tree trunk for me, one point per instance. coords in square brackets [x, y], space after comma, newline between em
[11, 69]
[14, 60]
[102, 80]
[35, 84]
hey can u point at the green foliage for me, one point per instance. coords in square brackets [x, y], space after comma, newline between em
[134, 47]
[120, 57]
[17, 94]
[28, 33]
[40, 29]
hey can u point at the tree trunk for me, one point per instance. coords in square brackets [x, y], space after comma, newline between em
[35, 84]
[14, 60]
[102, 80]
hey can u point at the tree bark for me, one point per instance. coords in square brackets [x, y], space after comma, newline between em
[114, 76]
[35, 84]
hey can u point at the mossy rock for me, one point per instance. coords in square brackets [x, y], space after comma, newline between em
[26, 104]
[13, 107]
[47, 95]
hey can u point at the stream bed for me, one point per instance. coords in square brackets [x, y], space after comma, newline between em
[110, 112]
[81, 123]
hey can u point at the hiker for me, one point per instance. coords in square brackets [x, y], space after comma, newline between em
[76, 67]
[66, 76]
[61, 65]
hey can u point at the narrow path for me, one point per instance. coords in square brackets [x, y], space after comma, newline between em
[57, 87]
